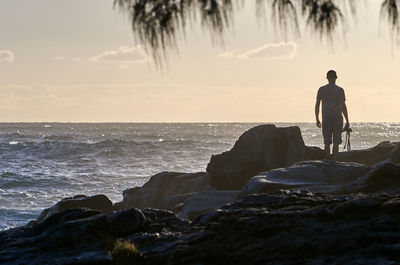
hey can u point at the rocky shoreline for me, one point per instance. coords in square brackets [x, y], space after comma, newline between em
[269, 200]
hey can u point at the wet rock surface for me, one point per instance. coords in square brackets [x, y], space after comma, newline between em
[286, 227]
[326, 176]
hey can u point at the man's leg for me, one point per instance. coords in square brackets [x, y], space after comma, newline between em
[335, 148]
[327, 134]
[327, 150]
[337, 134]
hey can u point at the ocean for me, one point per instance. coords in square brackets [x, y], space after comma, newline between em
[42, 163]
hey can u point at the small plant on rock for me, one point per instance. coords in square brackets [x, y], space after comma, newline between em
[124, 253]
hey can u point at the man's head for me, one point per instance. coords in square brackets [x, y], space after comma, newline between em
[331, 76]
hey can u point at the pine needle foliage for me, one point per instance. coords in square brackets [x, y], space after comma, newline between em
[158, 24]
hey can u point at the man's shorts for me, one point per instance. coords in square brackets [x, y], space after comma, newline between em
[332, 128]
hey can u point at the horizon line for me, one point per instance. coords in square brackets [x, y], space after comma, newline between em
[187, 122]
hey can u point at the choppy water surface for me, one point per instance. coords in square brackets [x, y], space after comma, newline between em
[41, 163]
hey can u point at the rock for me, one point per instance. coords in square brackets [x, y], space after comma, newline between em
[317, 176]
[384, 177]
[395, 155]
[369, 156]
[66, 216]
[126, 194]
[284, 227]
[313, 153]
[174, 202]
[96, 202]
[261, 148]
[203, 202]
[151, 193]
[164, 218]
[130, 192]
[126, 222]
[162, 185]
[59, 239]
[187, 183]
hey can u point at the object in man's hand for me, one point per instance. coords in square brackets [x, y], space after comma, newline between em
[347, 128]
[347, 144]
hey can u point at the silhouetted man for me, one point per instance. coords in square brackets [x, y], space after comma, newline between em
[333, 106]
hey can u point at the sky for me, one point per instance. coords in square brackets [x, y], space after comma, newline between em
[78, 61]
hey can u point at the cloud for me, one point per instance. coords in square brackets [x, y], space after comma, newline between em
[61, 58]
[283, 50]
[122, 55]
[6, 56]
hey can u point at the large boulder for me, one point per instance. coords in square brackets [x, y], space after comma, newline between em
[96, 202]
[317, 176]
[370, 156]
[261, 148]
[162, 185]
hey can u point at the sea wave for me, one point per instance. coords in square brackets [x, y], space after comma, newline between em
[16, 217]
[108, 148]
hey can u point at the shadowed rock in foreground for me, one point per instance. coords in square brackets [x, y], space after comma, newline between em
[287, 227]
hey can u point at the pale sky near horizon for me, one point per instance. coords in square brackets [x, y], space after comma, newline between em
[77, 61]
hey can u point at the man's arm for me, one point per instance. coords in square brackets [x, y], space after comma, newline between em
[317, 103]
[345, 114]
